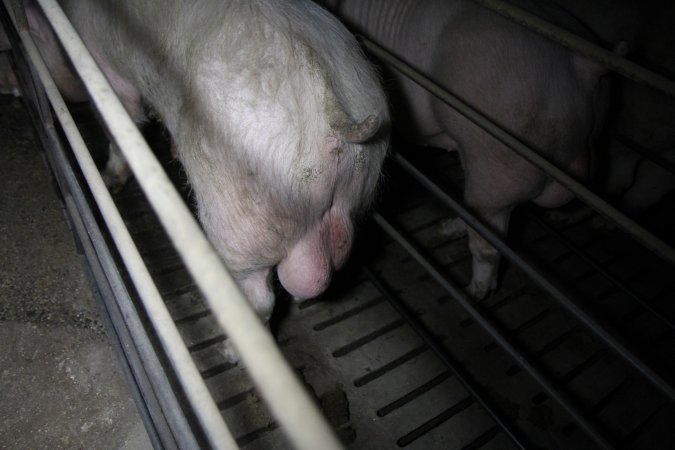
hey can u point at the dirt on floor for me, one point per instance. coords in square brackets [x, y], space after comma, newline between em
[60, 384]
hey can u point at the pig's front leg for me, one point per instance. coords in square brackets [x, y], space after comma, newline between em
[257, 287]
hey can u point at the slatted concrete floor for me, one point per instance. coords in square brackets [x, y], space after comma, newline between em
[379, 384]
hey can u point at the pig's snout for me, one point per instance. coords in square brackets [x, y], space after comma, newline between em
[307, 269]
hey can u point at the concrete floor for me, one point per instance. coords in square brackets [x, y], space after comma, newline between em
[60, 385]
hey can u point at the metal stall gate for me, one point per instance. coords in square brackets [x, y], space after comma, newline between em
[574, 350]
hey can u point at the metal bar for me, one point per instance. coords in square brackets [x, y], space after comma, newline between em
[655, 156]
[556, 293]
[431, 342]
[187, 372]
[127, 321]
[656, 245]
[158, 430]
[602, 271]
[570, 40]
[504, 342]
[164, 419]
[278, 384]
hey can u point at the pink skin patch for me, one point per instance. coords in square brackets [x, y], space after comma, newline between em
[307, 269]
[341, 235]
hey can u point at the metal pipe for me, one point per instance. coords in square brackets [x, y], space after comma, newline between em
[484, 322]
[195, 388]
[620, 285]
[126, 319]
[653, 155]
[160, 433]
[656, 245]
[570, 40]
[556, 293]
[164, 419]
[278, 384]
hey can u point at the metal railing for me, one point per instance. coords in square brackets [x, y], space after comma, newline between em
[639, 233]
[275, 380]
[464, 300]
[646, 238]
[570, 40]
[643, 236]
[273, 377]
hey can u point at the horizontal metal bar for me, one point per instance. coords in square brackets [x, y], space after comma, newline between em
[464, 300]
[656, 245]
[274, 379]
[431, 342]
[570, 40]
[556, 293]
[187, 372]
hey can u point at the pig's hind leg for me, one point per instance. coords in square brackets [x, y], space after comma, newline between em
[257, 287]
[485, 261]
[116, 173]
[491, 194]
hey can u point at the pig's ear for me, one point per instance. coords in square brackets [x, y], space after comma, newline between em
[357, 132]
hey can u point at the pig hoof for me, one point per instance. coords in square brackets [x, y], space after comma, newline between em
[480, 290]
[116, 172]
[228, 352]
[115, 182]
[453, 228]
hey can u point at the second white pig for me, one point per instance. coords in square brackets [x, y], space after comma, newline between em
[532, 87]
